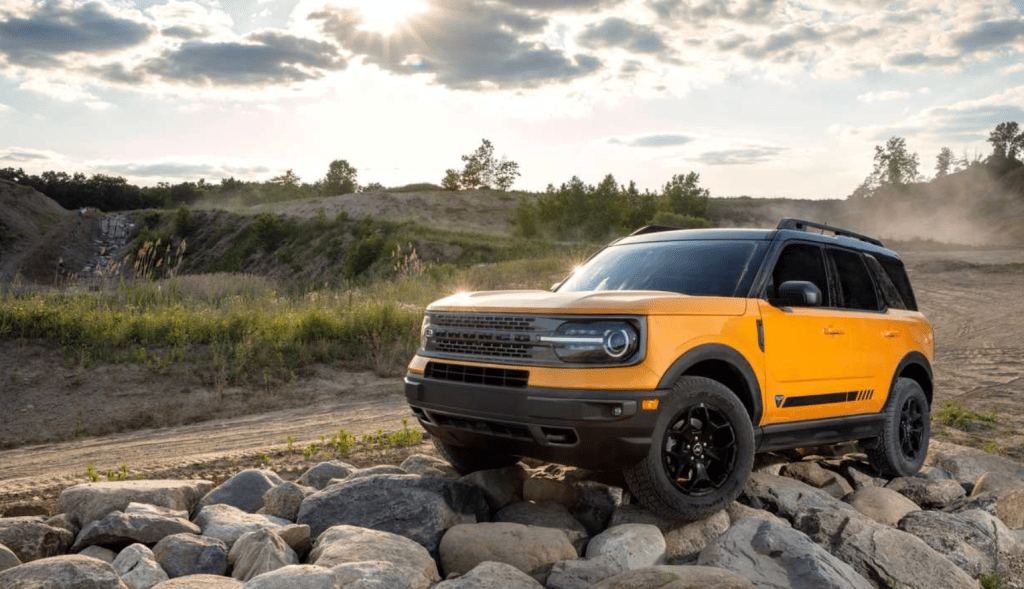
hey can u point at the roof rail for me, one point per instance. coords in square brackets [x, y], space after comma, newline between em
[800, 225]
[652, 229]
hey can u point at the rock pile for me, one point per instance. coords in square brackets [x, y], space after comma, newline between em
[820, 522]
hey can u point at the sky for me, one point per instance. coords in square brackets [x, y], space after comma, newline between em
[772, 98]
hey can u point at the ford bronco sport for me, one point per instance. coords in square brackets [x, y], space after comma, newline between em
[676, 355]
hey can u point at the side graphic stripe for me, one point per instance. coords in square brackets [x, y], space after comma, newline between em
[827, 398]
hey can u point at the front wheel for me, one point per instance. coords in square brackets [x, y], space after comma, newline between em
[701, 452]
[901, 448]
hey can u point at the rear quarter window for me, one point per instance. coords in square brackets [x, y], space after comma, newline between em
[897, 273]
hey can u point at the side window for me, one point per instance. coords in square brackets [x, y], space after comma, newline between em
[799, 261]
[856, 290]
[898, 274]
[892, 296]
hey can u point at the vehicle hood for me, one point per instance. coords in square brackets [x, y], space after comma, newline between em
[629, 302]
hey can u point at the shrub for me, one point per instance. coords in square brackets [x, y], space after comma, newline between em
[184, 224]
[340, 179]
[957, 416]
[452, 180]
[680, 221]
[362, 254]
[269, 230]
[524, 218]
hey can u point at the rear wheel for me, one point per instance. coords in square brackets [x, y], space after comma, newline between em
[903, 444]
[467, 460]
[701, 452]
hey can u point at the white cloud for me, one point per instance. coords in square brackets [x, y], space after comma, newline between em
[4, 107]
[883, 96]
[1012, 69]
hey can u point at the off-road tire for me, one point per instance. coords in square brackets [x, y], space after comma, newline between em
[907, 415]
[650, 481]
[467, 460]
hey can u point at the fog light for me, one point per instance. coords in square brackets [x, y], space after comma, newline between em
[617, 411]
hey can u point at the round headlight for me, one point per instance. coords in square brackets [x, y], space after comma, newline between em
[594, 343]
[619, 342]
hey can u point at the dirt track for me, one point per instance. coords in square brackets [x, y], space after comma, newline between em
[977, 310]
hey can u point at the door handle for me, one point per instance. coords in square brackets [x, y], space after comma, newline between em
[890, 333]
[833, 331]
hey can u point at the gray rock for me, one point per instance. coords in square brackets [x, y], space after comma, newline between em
[994, 483]
[138, 567]
[91, 501]
[138, 525]
[968, 539]
[635, 514]
[62, 521]
[99, 553]
[492, 575]
[501, 486]
[860, 474]
[258, 552]
[8, 559]
[200, 582]
[284, 500]
[684, 542]
[633, 546]
[187, 554]
[738, 511]
[244, 490]
[880, 553]
[967, 464]
[676, 577]
[228, 524]
[582, 573]
[814, 475]
[928, 493]
[1009, 507]
[321, 474]
[546, 515]
[375, 470]
[530, 549]
[885, 506]
[539, 488]
[422, 464]
[62, 572]
[371, 574]
[775, 556]
[420, 508]
[300, 576]
[297, 537]
[31, 539]
[787, 497]
[345, 544]
[934, 472]
[597, 503]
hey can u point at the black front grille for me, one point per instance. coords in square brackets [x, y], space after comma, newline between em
[498, 377]
[473, 321]
[482, 348]
[498, 428]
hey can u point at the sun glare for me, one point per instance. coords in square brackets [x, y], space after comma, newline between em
[387, 16]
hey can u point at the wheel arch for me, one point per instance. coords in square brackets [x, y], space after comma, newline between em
[915, 366]
[725, 365]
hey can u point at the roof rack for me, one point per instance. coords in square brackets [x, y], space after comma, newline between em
[652, 229]
[800, 225]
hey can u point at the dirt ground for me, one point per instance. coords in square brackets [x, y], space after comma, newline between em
[974, 298]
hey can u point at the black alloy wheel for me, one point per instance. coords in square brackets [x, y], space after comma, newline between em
[699, 450]
[912, 428]
[902, 444]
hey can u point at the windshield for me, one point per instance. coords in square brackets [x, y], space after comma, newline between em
[699, 267]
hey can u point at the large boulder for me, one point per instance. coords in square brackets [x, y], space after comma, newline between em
[885, 506]
[138, 567]
[371, 574]
[244, 490]
[200, 582]
[973, 540]
[100, 553]
[284, 500]
[228, 524]
[297, 576]
[258, 552]
[30, 538]
[297, 537]
[62, 572]
[346, 544]
[633, 546]
[321, 474]
[880, 553]
[89, 502]
[813, 474]
[492, 575]
[501, 486]
[138, 523]
[8, 559]
[433, 466]
[420, 508]
[685, 541]
[546, 515]
[676, 577]
[738, 511]
[582, 573]
[530, 549]
[967, 464]
[928, 493]
[596, 505]
[374, 470]
[774, 556]
[187, 554]
[786, 497]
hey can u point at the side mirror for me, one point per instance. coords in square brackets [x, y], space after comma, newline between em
[798, 293]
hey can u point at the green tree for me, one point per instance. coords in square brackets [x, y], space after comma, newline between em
[340, 179]
[944, 162]
[1007, 140]
[894, 165]
[452, 180]
[640, 207]
[184, 225]
[683, 195]
[288, 179]
[482, 170]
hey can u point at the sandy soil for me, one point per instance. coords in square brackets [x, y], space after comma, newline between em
[974, 297]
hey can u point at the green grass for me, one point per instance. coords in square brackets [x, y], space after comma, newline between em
[957, 416]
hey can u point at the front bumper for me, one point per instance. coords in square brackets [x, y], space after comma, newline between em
[598, 430]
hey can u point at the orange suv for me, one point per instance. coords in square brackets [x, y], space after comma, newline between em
[676, 355]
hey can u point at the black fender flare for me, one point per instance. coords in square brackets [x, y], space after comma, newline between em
[728, 355]
[914, 359]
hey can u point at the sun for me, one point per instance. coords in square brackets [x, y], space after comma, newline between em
[386, 16]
